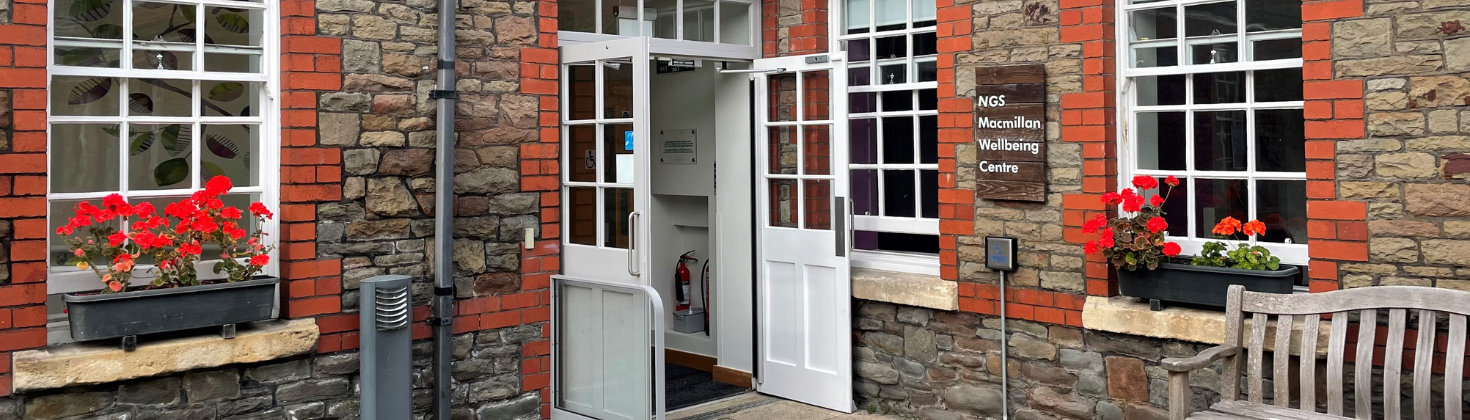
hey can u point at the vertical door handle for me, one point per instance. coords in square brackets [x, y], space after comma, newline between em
[633, 269]
[839, 211]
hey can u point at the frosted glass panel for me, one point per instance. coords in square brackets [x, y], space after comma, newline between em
[891, 12]
[734, 23]
[603, 350]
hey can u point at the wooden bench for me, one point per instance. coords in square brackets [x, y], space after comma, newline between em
[1434, 308]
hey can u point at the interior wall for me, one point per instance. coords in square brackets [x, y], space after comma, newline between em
[734, 222]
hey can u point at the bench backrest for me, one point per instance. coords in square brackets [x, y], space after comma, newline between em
[1441, 324]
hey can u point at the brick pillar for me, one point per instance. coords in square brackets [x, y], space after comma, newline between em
[1338, 230]
[22, 181]
[310, 174]
[793, 27]
[540, 172]
[1090, 118]
[956, 126]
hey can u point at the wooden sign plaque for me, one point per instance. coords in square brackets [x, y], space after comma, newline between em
[1010, 132]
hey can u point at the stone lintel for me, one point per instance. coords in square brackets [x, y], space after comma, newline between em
[105, 361]
[1126, 315]
[905, 289]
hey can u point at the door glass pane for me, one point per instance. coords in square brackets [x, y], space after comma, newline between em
[782, 203]
[1216, 199]
[1282, 206]
[898, 193]
[167, 163]
[581, 91]
[89, 152]
[734, 23]
[617, 205]
[817, 96]
[617, 89]
[1160, 140]
[582, 153]
[1280, 140]
[782, 91]
[576, 15]
[582, 215]
[1219, 141]
[665, 25]
[88, 96]
[816, 150]
[620, 17]
[617, 155]
[782, 150]
[699, 20]
[818, 207]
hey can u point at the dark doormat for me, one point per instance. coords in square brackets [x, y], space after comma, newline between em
[685, 387]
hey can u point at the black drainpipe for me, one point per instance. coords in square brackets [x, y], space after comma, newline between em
[443, 304]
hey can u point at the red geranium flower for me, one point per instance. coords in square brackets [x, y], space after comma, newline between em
[1090, 248]
[1096, 223]
[1171, 181]
[260, 260]
[1171, 249]
[1156, 201]
[1133, 203]
[1157, 224]
[117, 239]
[260, 211]
[1107, 238]
[230, 213]
[1111, 198]
[1145, 182]
[218, 185]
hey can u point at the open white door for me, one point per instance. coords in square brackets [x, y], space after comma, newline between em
[605, 152]
[804, 289]
[607, 351]
[607, 324]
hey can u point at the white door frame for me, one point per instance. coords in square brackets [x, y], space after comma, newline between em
[600, 262]
[804, 286]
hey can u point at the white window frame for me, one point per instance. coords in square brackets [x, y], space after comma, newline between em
[1191, 242]
[917, 224]
[678, 45]
[62, 279]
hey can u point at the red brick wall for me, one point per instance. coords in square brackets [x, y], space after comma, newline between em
[22, 182]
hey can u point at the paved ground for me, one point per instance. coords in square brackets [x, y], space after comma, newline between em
[753, 406]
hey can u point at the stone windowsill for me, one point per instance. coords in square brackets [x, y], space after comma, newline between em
[905, 289]
[105, 361]
[1126, 315]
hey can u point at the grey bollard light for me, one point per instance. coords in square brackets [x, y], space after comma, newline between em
[387, 339]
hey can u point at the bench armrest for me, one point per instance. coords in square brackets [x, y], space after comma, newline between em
[1199, 361]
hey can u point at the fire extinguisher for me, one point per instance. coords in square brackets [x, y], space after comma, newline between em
[681, 282]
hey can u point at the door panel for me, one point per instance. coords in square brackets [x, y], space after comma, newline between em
[805, 284]
[607, 360]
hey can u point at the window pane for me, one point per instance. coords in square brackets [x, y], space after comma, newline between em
[860, 76]
[1216, 199]
[1219, 141]
[1279, 85]
[230, 150]
[893, 73]
[86, 156]
[926, 71]
[782, 149]
[859, 50]
[898, 140]
[1280, 140]
[88, 96]
[816, 150]
[1276, 49]
[1271, 15]
[862, 102]
[699, 20]
[617, 89]
[582, 91]
[232, 63]
[174, 23]
[1161, 141]
[892, 47]
[1219, 88]
[1213, 53]
[929, 139]
[1209, 19]
[782, 203]
[582, 215]
[1155, 57]
[577, 16]
[816, 98]
[1153, 24]
[900, 100]
[60, 213]
[928, 99]
[863, 140]
[160, 156]
[1282, 206]
[901, 242]
[618, 204]
[617, 156]
[175, 98]
[1176, 206]
[734, 23]
[929, 190]
[898, 193]
[857, 15]
[1159, 90]
[224, 99]
[665, 20]
[865, 192]
[891, 12]
[926, 44]
[162, 59]
[782, 91]
[818, 206]
[87, 56]
[620, 17]
[582, 153]
[924, 10]
[96, 19]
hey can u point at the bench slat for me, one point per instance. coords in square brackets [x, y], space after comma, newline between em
[1230, 389]
[1262, 411]
[1309, 362]
[1281, 362]
[1363, 379]
[1442, 300]
[1336, 346]
[1257, 348]
[1393, 357]
[1423, 366]
[1454, 368]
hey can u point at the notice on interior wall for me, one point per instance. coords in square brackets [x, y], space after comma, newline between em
[677, 146]
[1010, 132]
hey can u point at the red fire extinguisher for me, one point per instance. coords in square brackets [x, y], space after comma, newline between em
[681, 282]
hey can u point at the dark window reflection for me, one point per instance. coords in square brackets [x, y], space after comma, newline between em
[1176, 208]
[857, 50]
[1209, 19]
[1213, 53]
[898, 140]
[929, 185]
[1280, 140]
[863, 133]
[902, 100]
[892, 47]
[862, 102]
[898, 193]
[1161, 140]
[865, 192]
[1219, 141]
[1279, 85]
[925, 44]
[1160, 90]
[1276, 49]
[901, 242]
[1219, 88]
[1282, 207]
[929, 139]
[1216, 199]
[1271, 15]
[928, 99]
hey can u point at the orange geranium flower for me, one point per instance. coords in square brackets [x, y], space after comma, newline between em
[1227, 226]
[1255, 227]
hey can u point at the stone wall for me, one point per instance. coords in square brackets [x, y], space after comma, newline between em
[487, 373]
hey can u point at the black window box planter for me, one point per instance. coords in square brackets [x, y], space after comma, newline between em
[1200, 285]
[129, 314]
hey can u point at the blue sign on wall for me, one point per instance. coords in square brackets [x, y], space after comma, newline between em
[627, 140]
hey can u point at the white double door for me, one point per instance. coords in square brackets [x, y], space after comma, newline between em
[607, 322]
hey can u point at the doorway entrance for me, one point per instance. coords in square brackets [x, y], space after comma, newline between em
[704, 224]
